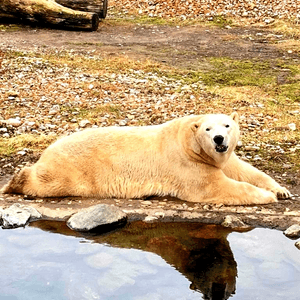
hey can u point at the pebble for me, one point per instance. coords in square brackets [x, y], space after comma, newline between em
[147, 202]
[84, 123]
[233, 222]
[252, 148]
[265, 11]
[292, 126]
[293, 231]
[150, 218]
[13, 122]
[22, 153]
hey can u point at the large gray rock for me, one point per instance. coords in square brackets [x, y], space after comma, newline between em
[101, 215]
[18, 215]
[293, 231]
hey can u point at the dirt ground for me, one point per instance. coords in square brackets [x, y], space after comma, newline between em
[176, 46]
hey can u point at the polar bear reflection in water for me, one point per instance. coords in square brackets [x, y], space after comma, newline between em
[191, 158]
[201, 253]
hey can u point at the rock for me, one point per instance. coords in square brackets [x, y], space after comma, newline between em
[14, 122]
[101, 215]
[292, 126]
[252, 148]
[269, 20]
[123, 123]
[85, 123]
[150, 218]
[293, 231]
[54, 110]
[147, 202]
[18, 215]
[297, 244]
[21, 153]
[233, 222]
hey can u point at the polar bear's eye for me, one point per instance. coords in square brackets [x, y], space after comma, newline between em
[227, 126]
[207, 129]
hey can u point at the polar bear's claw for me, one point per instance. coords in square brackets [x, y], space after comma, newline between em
[282, 193]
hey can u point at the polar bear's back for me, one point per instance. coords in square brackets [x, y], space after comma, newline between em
[110, 140]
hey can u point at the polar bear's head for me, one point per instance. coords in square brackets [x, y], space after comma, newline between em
[216, 136]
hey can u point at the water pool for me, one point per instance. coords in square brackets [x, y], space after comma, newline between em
[142, 261]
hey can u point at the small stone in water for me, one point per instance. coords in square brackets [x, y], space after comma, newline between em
[293, 231]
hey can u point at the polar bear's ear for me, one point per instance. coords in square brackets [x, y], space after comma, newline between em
[235, 117]
[195, 126]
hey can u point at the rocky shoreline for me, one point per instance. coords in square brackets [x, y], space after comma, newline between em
[88, 215]
[280, 215]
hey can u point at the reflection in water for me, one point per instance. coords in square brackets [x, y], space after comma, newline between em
[142, 261]
[200, 252]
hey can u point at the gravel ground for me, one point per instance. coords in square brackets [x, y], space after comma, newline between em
[189, 9]
[50, 99]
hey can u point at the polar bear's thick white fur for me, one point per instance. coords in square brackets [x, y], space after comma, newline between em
[191, 158]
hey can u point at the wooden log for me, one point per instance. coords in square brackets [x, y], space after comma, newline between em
[96, 6]
[48, 11]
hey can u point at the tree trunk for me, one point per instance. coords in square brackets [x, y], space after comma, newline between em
[96, 6]
[48, 11]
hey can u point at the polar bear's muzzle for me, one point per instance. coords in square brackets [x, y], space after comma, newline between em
[220, 145]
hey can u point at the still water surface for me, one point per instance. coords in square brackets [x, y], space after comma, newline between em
[147, 262]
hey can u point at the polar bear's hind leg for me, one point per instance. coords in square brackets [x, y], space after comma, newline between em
[18, 182]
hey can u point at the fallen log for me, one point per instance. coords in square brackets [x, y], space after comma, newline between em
[96, 6]
[49, 12]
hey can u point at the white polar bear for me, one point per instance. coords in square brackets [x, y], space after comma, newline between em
[190, 158]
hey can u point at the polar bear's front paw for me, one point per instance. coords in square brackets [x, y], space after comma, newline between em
[282, 192]
[267, 197]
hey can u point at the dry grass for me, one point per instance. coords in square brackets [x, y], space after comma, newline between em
[289, 45]
[288, 28]
[106, 64]
[35, 143]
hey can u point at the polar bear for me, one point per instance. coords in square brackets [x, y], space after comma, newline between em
[191, 158]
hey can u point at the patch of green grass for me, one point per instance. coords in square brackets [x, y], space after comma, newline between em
[86, 44]
[274, 160]
[146, 20]
[14, 54]
[93, 113]
[221, 21]
[230, 72]
[10, 27]
[289, 91]
[17, 143]
[226, 72]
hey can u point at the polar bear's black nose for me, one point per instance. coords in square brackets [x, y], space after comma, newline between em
[218, 139]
